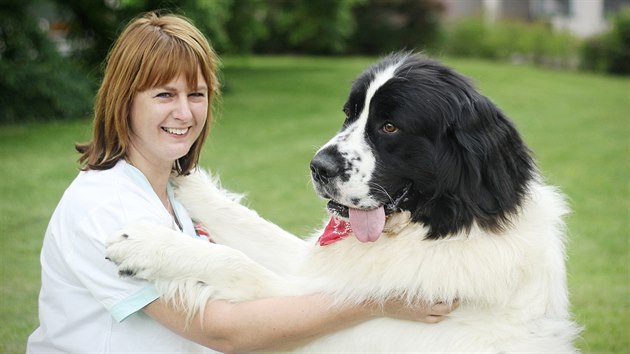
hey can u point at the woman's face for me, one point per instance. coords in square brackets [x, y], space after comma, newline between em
[166, 121]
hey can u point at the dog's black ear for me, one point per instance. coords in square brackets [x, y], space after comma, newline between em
[482, 170]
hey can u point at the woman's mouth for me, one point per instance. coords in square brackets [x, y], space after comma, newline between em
[176, 131]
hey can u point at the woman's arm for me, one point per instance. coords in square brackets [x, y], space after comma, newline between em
[277, 322]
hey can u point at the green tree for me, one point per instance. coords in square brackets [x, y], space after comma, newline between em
[246, 25]
[94, 25]
[384, 26]
[310, 27]
[39, 83]
[35, 80]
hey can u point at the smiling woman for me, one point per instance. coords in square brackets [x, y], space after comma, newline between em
[149, 60]
[151, 118]
[165, 123]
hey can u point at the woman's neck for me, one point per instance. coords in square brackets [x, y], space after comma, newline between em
[157, 175]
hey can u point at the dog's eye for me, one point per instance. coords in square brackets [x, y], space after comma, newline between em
[389, 128]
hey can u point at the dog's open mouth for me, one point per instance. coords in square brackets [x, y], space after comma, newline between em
[368, 224]
[393, 206]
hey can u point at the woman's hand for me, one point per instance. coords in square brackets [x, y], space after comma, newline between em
[420, 311]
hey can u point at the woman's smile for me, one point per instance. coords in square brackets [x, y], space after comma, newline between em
[176, 131]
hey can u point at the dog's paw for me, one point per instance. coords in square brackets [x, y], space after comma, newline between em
[139, 250]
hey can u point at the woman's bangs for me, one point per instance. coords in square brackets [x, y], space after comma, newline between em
[167, 62]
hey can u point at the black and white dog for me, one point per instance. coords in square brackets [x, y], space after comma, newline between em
[433, 195]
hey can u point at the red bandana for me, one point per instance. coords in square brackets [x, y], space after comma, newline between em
[334, 231]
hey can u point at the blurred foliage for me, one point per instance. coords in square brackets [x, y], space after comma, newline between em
[35, 80]
[521, 42]
[384, 26]
[95, 24]
[610, 52]
[232, 26]
[306, 27]
[245, 26]
[40, 83]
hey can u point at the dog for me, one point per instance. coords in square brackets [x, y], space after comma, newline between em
[433, 195]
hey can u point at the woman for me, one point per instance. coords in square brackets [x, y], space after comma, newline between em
[152, 116]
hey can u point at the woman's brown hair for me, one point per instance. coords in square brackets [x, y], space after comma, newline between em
[151, 51]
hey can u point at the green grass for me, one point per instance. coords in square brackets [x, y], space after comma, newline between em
[277, 111]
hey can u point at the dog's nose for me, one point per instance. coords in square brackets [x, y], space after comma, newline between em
[326, 165]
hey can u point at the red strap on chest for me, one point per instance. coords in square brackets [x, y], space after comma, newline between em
[202, 232]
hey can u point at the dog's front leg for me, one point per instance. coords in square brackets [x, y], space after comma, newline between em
[237, 226]
[188, 268]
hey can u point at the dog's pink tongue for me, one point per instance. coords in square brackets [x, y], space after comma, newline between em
[367, 225]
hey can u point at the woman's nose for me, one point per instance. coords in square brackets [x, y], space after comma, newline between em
[183, 111]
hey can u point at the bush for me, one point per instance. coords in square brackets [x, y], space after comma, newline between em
[469, 38]
[610, 52]
[511, 40]
[384, 26]
[35, 81]
[304, 26]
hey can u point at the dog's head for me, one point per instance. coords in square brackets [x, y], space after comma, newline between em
[418, 137]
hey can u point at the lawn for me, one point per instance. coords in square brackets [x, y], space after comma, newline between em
[274, 114]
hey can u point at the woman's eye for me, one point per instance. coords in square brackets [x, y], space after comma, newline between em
[197, 94]
[163, 95]
[389, 128]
